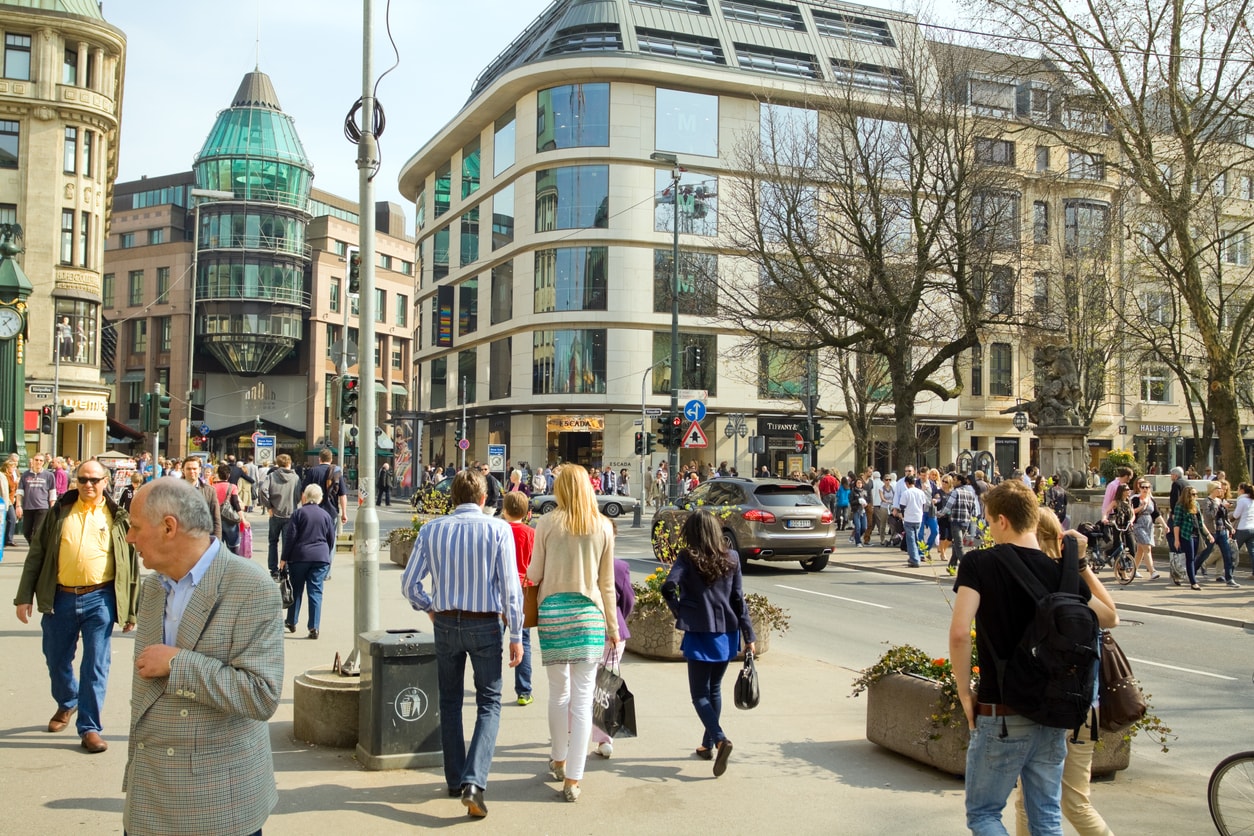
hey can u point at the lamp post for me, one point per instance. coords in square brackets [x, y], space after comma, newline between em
[207, 194]
[673, 452]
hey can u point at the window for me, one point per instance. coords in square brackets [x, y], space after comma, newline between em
[9, 144]
[70, 153]
[1245, 187]
[1040, 292]
[439, 255]
[67, 236]
[977, 370]
[106, 290]
[786, 211]
[1042, 158]
[502, 292]
[398, 355]
[1000, 374]
[439, 383]
[853, 28]
[1158, 307]
[592, 37]
[698, 360]
[1155, 387]
[139, 336]
[443, 189]
[680, 45]
[698, 203]
[135, 392]
[568, 362]
[1085, 166]
[1034, 101]
[333, 291]
[503, 217]
[999, 292]
[76, 331]
[470, 169]
[468, 306]
[69, 69]
[988, 97]
[156, 236]
[700, 7]
[994, 151]
[385, 261]
[17, 57]
[467, 372]
[84, 239]
[763, 13]
[781, 373]
[8, 213]
[500, 368]
[573, 116]
[1219, 188]
[1040, 222]
[1085, 225]
[135, 288]
[89, 141]
[571, 279]
[777, 61]
[867, 76]
[686, 123]
[572, 197]
[402, 310]
[503, 143]
[786, 133]
[469, 251]
[380, 305]
[1237, 248]
[126, 240]
[995, 219]
[698, 282]
[165, 326]
[1083, 116]
[354, 304]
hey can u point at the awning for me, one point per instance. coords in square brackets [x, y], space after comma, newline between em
[379, 388]
[133, 377]
[399, 389]
[119, 430]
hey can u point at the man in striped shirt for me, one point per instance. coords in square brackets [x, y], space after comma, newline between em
[469, 557]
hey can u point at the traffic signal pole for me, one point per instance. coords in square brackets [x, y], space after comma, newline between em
[154, 406]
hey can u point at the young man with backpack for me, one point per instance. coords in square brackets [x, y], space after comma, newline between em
[331, 479]
[1030, 693]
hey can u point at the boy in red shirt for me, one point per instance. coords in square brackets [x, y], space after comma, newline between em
[514, 511]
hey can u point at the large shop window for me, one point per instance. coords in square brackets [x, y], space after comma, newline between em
[467, 371]
[573, 116]
[76, 331]
[439, 383]
[502, 292]
[698, 362]
[568, 362]
[698, 282]
[782, 374]
[698, 203]
[573, 197]
[500, 368]
[571, 279]
[686, 123]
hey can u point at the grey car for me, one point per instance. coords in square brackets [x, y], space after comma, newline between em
[762, 519]
[611, 505]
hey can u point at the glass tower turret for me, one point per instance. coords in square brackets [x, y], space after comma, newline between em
[252, 259]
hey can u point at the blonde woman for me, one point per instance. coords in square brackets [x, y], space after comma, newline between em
[573, 565]
[1187, 531]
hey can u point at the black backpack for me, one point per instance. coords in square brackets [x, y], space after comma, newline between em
[1050, 677]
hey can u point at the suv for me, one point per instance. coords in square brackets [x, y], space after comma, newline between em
[762, 519]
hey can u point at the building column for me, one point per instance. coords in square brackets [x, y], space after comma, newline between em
[97, 63]
[81, 80]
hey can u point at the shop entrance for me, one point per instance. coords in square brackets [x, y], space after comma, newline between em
[578, 447]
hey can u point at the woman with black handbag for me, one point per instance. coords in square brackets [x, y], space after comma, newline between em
[705, 593]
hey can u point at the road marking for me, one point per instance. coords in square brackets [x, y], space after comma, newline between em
[837, 597]
[1186, 670]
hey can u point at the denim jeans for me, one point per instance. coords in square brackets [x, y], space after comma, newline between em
[91, 615]
[311, 575]
[1225, 551]
[522, 673]
[230, 535]
[859, 525]
[912, 543]
[480, 639]
[705, 684]
[277, 524]
[1188, 546]
[933, 530]
[1029, 751]
[1244, 538]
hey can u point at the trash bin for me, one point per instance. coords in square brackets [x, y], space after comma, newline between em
[399, 707]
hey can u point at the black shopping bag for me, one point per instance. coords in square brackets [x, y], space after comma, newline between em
[285, 588]
[613, 704]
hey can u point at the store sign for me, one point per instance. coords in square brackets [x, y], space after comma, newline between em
[576, 424]
[788, 428]
[1160, 429]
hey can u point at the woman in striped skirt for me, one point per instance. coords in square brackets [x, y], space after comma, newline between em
[573, 565]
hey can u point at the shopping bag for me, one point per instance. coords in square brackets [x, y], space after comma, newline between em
[531, 606]
[285, 588]
[1178, 571]
[747, 693]
[1120, 701]
[613, 704]
[245, 542]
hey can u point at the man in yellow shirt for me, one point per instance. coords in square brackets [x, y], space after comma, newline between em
[85, 577]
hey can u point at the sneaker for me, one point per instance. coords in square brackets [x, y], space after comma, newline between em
[1155, 576]
[605, 750]
[1219, 579]
[1234, 585]
[525, 699]
[951, 570]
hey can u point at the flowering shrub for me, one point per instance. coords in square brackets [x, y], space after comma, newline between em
[910, 660]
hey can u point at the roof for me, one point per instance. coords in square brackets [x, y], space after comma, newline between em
[82, 8]
[254, 127]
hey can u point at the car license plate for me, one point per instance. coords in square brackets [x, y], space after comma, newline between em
[799, 523]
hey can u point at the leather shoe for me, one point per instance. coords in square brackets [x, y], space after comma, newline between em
[94, 743]
[61, 719]
[720, 760]
[472, 797]
[313, 634]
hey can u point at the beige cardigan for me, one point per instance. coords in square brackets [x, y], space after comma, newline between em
[565, 562]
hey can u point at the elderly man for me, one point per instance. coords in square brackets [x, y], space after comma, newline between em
[208, 675]
[191, 475]
[470, 559]
[84, 577]
[36, 492]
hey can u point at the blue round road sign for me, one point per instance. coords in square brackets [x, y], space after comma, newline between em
[694, 410]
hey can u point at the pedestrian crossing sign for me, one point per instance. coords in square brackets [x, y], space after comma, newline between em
[695, 437]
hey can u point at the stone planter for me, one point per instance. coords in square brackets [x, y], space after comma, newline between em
[400, 552]
[898, 717]
[654, 636]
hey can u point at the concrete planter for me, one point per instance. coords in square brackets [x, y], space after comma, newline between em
[654, 636]
[898, 717]
[400, 552]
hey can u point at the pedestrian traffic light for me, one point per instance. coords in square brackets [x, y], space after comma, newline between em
[640, 442]
[161, 408]
[349, 390]
[354, 271]
[45, 420]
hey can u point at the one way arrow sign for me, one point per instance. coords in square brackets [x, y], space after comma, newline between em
[695, 437]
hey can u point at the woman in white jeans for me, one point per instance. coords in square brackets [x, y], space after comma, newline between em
[573, 565]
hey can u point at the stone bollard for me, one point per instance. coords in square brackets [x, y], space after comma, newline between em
[326, 708]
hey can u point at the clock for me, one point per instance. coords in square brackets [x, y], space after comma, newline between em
[10, 323]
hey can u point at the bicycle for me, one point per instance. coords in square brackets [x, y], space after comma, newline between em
[1230, 794]
[1107, 548]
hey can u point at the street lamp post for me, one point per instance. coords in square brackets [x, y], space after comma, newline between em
[207, 194]
[673, 452]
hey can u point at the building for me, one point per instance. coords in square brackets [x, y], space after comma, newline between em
[271, 255]
[60, 105]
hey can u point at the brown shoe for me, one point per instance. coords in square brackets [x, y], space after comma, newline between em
[61, 719]
[94, 743]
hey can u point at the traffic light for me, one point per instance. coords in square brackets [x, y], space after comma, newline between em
[161, 410]
[817, 438]
[349, 390]
[670, 432]
[458, 433]
[145, 413]
[66, 410]
[45, 420]
[642, 444]
[354, 271]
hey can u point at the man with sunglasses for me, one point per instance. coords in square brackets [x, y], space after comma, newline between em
[85, 578]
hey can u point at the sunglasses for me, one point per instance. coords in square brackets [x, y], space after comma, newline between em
[1143, 485]
[91, 480]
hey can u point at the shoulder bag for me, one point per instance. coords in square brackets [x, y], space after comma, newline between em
[1120, 702]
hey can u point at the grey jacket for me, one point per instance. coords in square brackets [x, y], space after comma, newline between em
[281, 491]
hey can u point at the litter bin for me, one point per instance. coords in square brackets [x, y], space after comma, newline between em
[399, 708]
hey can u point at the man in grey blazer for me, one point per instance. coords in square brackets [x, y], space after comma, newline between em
[208, 675]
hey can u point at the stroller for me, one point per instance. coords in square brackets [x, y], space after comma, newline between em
[1107, 546]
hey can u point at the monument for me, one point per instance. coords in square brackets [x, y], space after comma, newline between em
[1055, 412]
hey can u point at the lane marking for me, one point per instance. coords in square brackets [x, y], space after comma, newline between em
[837, 597]
[1185, 670]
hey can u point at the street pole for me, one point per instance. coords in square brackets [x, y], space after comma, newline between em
[673, 451]
[56, 396]
[342, 369]
[464, 436]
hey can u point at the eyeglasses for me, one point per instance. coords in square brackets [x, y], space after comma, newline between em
[1143, 485]
[91, 480]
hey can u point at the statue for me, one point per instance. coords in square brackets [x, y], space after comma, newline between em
[1057, 399]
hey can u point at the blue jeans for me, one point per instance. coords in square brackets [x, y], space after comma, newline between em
[92, 616]
[522, 673]
[859, 525]
[312, 575]
[933, 530]
[277, 524]
[705, 684]
[1245, 538]
[912, 544]
[480, 639]
[1225, 549]
[1188, 546]
[1029, 751]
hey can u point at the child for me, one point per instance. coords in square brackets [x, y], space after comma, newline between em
[513, 511]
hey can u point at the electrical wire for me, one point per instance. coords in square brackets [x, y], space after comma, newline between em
[352, 132]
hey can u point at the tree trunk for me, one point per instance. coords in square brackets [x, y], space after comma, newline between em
[907, 438]
[1226, 417]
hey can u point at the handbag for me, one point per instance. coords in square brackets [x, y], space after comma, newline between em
[245, 542]
[613, 704]
[531, 606]
[285, 588]
[747, 693]
[1120, 702]
[1178, 570]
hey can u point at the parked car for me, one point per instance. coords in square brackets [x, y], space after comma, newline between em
[611, 505]
[762, 519]
[433, 498]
